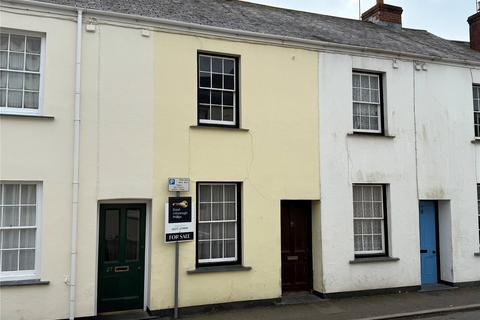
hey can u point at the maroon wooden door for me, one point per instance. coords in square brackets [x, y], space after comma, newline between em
[296, 246]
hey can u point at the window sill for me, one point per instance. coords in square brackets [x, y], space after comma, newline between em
[19, 283]
[477, 254]
[218, 128]
[219, 269]
[372, 134]
[373, 260]
[31, 116]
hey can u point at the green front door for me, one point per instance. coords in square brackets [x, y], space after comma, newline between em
[121, 258]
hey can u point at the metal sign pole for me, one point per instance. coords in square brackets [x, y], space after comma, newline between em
[177, 251]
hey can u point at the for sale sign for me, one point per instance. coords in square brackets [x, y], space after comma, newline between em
[179, 219]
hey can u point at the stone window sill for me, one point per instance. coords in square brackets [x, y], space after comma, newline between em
[476, 141]
[19, 283]
[373, 135]
[373, 260]
[201, 127]
[219, 269]
[477, 254]
[30, 116]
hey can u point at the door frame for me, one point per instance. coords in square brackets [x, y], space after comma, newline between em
[437, 239]
[147, 262]
[310, 242]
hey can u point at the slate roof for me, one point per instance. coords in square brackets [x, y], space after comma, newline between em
[240, 15]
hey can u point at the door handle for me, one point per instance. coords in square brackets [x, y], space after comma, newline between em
[122, 269]
[434, 252]
[423, 251]
[292, 258]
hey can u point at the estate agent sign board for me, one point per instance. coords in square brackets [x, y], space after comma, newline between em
[179, 219]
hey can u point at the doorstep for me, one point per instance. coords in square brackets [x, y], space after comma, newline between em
[125, 315]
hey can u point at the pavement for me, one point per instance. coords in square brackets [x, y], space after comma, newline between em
[458, 303]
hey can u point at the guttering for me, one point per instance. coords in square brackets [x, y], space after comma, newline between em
[269, 38]
[76, 167]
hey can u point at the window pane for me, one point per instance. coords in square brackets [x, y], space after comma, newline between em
[374, 82]
[29, 194]
[10, 239]
[204, 63]
[230, 192]
[228, 114]
[31, 100]
[217, 81]
[229, 82]
[230, 249]
[15, 99]
[27, 260]
[216, 97]
[217, 193]
[205, 212]
[3, 59]
[17, 43]
[204, 249]
[16, 61]
[229, 66]
[27, 238]
[204, 231]
[3, 41]
[230, 211]
[10, 260]
[133, 234]
[216, 113]
[32, 82]
[358, 243]
[205, 193]
[217, 249]
[33, 44]
[230, 230]
[112, 230]
[28, 216]
[32, 62]
[204, 96]
[15, 80]
[217, 230]
[205, 80]
[217, 65]
[3, 79]
[11, 194]
[356, 81]
[3, 97]
[217, 211]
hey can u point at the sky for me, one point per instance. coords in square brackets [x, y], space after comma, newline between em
[445, 18]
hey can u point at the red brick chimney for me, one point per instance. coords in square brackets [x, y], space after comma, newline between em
[385, 15]
[474, 22]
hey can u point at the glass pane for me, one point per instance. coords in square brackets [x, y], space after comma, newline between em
[216, 113]
[378, 210]
[205, 193]
[216, 97]
[357, 227]
[29, 194]
[204, 63]
[3, 41]
[205, 80]
[368, 209]
[15, 99]
[367, 193]
[374, 125]
[217, 193]
[217, 231]
[358, 243]
[365, 95]
[16, 61]
[217, 249]
[204, 96]
[228, 98]
[17, 43]
[27, 216]
[112, 230]
[33, 44]
[3, 79]
[10, 216]
[375, 96]
[377, 226]
[133, 234]
[356, 81]
[358, 209]
[3, 97]
[204, 112]
[27, 260]
[217, 81]
[365, 82]
[32, 63]
[377, 243]
[217, 211]
[230, 209]
[367, 243]
[230, 249]
[204, 249]
[3, 59]
[227, 114]
[204, 231]
[205, 212]
[229, 82]
[356, 94]
[31, 100]
[10, 260]
[27, 238]
[357, 193]
[217, 65]
[364, 123]
[15, 80]
[357, 122]
[32, 82]
[10, 239]
[374, 83]
[230, 192]
[230, 230]
[229, 66]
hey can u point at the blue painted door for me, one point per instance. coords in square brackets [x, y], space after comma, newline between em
[428, 242]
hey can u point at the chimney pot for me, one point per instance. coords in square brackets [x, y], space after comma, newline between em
[385, 15]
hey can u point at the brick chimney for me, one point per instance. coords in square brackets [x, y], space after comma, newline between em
[474, 22]
[384, 15]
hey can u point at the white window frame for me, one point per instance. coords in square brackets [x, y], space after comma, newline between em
[476, 113]
[23, 111]
[28, 274]
[383, 219]
[234, 91]
[379, 104]
[220, 260]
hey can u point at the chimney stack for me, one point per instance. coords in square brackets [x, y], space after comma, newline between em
[384, 15]
[474, 22]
